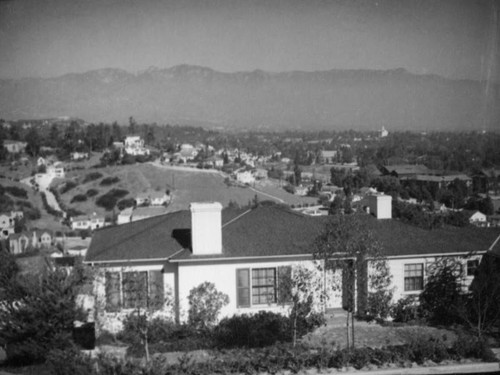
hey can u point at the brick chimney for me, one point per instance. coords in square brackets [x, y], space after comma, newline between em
[206, 228]
[380, 206]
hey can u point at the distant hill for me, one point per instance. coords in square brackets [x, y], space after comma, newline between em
[334, 99]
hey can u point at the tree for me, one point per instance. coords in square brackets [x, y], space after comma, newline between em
[481, 308]
[38, 312]
[302, 289]
[205, 303]
[442, 294]
[33, 142]
[345, 244]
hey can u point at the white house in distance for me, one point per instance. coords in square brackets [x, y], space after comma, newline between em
[36, 239]
[8, 222]
[244, 253]
[91, 222]
[134, 145]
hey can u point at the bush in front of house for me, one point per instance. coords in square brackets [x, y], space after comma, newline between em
[406, 310]
[253, 331]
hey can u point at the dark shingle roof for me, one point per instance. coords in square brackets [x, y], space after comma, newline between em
[272, 231]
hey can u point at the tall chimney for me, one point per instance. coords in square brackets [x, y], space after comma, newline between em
[380, 206]
[206, 228]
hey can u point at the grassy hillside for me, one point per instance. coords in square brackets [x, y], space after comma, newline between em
[186, 187]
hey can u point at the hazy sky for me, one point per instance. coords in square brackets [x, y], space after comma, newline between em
[453, 38]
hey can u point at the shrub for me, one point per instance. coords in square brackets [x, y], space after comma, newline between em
[379, 305]
[69, 361]
[468, 346]
[252, 331]
[79, 198]
[92, 192]
[92, 176]
[17, 192]
[425, 347]
[205, 303]
[108, 200]
[109, 181]
[125, 203]
[406, 310]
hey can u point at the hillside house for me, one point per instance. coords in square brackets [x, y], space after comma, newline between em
[142, 199]
[328, 157]
[134, 145]
[21, 242]
[87, 222]
[477, 218]
[56, 170]
[76, 156]
[159, 198]
[8, 222]
[14, 147]
[233, 250]
[245, 177]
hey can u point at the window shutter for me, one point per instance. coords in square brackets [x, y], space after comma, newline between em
[112, 288]
[156, 290]
[285, 284]
[243, 287]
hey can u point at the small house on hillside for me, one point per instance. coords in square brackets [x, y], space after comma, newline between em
[234, 250]
[21, 242]
[14, 147]
[87, 222]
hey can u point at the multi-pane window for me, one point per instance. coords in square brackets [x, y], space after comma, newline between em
[261, 286]
[414, 276]
[472, 266]
[134, 290]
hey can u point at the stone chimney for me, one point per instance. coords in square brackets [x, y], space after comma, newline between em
[206, 228]
[380, 206]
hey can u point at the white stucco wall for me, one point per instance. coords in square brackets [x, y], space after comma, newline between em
[396, 268]
[224, 278]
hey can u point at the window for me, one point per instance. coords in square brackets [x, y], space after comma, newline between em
[472, 266]
[134, 289]
[263, 286]
[260, 286]
[414, 276]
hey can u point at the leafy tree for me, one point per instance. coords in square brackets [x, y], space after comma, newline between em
[205, 303]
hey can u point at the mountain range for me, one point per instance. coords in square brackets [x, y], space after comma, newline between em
[194, 95]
